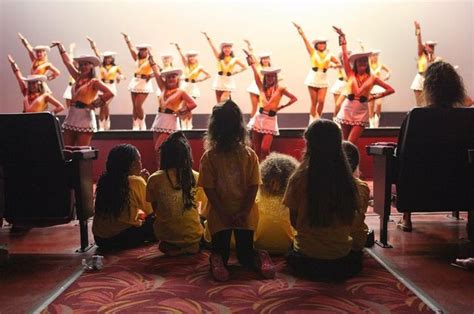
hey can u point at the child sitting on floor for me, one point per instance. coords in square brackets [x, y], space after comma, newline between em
[274, 232]
[230, 177]
[172, 193]
[122, 216]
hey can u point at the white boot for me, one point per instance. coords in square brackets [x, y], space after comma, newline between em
[187, 124]
[101, 125]
[312, 118]
[371, 122]
[143, 123]
[136, 125]
[107, 124]
[376, 121]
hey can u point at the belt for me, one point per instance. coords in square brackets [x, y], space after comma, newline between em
[71, 83]
[80, 105]
[341, 79]
[270, 113]
[226, 73]
[165, 110]
[192, 80]
[143, 76]
[421, 73]
[108, 81]
[316, 69]
[360, 99]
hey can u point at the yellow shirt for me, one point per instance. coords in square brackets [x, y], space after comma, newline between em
[191, 72]
[273, 101]
[143, 67]
[36, 104]
[274, 232]
[107, 227]
[226, 65]
[84, 93]
[230, 174]
[359, 228]
[375, 69]
[422, 63]
[317, 242]
[173, 223]
[40, 67]
[109, 73]
[320, 60]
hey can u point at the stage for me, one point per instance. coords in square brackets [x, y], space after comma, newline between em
[290, 141]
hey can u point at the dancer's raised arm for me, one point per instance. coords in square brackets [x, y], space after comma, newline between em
[73, 71]
[309, 48]
[419, 41]
[345, 56]
[93, 46]
[28, 47]
[18, 75]
[214, 50]
[133, 51]
[156, 72]
[183, 58]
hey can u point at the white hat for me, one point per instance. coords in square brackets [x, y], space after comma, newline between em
[143, 46]
[320, 40]
[35, 78]
[42, 47]
[88, 58]
[190, 53]
[265, 54]
[166, 55]
[360, 54]
[270, 70]
[171, 71]
[349, 52]
[226, 43]
[108, 53]
[431, 43]
[376, 51]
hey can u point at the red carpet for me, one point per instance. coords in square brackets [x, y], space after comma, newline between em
[142, 280]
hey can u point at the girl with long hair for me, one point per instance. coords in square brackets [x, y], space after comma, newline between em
[172, 191]
[322, 198]
[354, 113]
[110, 74]
[230, 177]
[35, 99]
[80, 124]
[123, 218]
[224, 82]
[316, 79]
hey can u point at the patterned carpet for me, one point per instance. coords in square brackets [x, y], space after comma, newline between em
[142, 280]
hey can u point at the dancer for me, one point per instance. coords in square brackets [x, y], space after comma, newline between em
[192, 71]
[140, 85]
[67, 95]
[265, 125]
[41, 65]
[354, 114]
[338, 89]
[375, 106]
[169, 105]
[35, 99]
[224, 82]
[254, 92]
[426, 56]
[316, 80]
[110, 74]
[80, 123]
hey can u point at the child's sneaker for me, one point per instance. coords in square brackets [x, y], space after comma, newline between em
[218, 269]
[265, 264]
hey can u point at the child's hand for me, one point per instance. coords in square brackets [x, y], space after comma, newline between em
[141, 214]
[145, 174]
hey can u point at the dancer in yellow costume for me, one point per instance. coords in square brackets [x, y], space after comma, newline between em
[192, 71]
[338, 89]
[426, 56]
[110, 75]
[41, 65]
[375, 106]
[264, 61]
[224, 82]
[35, 99]
[316, 80]
[141, 84]
[80, 123]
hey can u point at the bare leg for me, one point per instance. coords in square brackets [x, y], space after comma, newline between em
[419, 98]
[266, 145]
[313, 94]
[371, 114]
[219, 95]
[254, 102]
[69, 137]
[84, 139]
[339, 102]
[138, 105]
[346, 130]
[158, 139]
[320, 101]
[257, 142]
[134, 114]
[336, 109]
[356, 132]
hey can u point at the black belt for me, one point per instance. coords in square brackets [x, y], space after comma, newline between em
[361, 98]
[222, 73]
[143, 76]
[80, 105]
[108, 81]
[270, 113]
[192, 80]
[341, 79]
[421, 73]
[71, 83]
[315, 69]
[166, 110]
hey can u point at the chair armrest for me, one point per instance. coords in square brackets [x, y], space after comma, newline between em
[84, 153]
[381, 149]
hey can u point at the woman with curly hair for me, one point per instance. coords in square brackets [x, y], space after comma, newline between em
[123, 217]
[443, 88]
[172, 191]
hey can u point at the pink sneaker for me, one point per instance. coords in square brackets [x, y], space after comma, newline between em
[218, 269]
[265, 264]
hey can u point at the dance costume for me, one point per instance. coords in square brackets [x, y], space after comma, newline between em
[224, 81]
[81, 117]
[353, 111]
[340, 84]
[191, 73]
[265, 121]
[108, 75]
[40, 67]
[376, 70]
[317, 76]
[422, 64]
[141, 82]
[166, 121]
[36, 103]
[253, 88]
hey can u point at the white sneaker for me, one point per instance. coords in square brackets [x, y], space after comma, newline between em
[107, 124]
[136, 125]
[142, 123]
[376, 121]
[101, 125]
